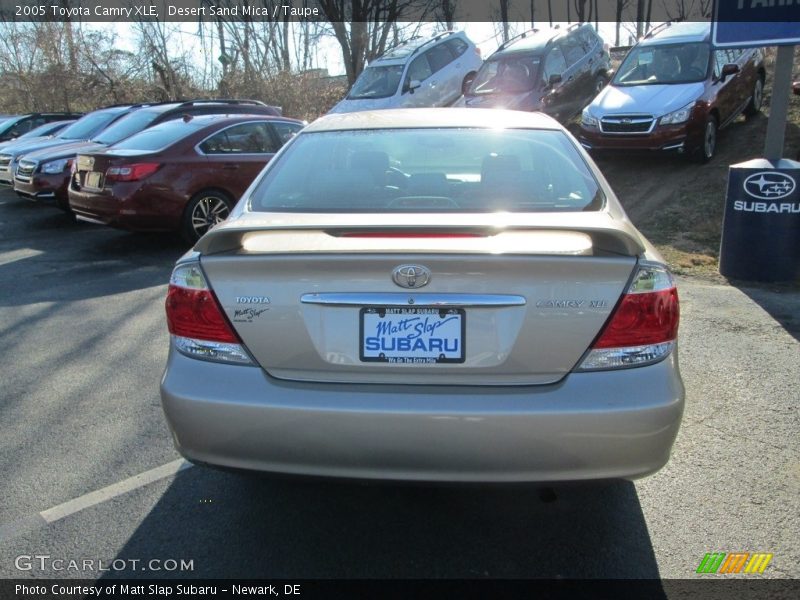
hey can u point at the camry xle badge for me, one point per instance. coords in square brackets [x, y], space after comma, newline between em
[769, 185]
[411, 276]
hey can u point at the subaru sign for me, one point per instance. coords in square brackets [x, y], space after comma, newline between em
[755, 23]
[761, 226]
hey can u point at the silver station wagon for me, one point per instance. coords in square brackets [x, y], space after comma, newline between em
[426, 294]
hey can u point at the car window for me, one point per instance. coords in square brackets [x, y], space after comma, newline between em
[419, 69]
[573, 51]
[286, 131]
[126, 126]
[510, 74]
[724, 57]
[554, 63]
[587, 38]
[457, 46]
[160, 136]
[412, 170]
[245, 138]
[439, 57]
[85, 127]
[664, 64]
[376, 82]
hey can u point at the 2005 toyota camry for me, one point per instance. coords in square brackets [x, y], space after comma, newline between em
[441, 295]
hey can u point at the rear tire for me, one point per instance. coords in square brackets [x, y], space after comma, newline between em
[599, 84]
[205, 210]
[708, 147]
[468, 79]
[756, 100]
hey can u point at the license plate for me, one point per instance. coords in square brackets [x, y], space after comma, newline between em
[415, 335]
[94, 179]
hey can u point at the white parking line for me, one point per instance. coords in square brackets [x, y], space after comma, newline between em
[20, 526]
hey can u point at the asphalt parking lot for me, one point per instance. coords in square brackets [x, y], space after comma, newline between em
[83, 343]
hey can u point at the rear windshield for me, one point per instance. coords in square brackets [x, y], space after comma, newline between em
[126, 126]
[43, 130]
[438, 170]
[160, 136]
[512, 74]
[85, 127]
[376, 82]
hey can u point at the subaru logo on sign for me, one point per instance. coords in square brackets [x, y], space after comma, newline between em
[411, 276]
[769, 185]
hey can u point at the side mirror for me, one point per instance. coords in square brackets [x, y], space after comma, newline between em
[729, 69]
[414, 84]
[555, 79]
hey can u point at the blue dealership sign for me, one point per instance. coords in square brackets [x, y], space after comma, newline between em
[755, 23]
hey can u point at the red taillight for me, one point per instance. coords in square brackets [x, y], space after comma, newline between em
[642, 319]
[133, 172]
[196, 314]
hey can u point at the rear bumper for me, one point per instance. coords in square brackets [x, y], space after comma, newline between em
[603, 425]
[133, 211]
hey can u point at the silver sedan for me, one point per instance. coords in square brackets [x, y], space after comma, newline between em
[433, 295]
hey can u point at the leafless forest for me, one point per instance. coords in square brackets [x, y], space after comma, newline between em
[74, 65]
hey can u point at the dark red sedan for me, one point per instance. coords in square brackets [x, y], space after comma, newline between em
[183, 175]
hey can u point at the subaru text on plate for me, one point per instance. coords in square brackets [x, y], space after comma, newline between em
[436, 295]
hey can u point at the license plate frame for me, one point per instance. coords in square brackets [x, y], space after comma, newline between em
[421, 322]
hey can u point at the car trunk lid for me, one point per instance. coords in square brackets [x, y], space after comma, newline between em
[488, 305]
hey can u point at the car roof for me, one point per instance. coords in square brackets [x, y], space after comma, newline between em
[536, 40]
[188, 105]
[400, 53]
[679, 33]
[433, 118]
[200, 121]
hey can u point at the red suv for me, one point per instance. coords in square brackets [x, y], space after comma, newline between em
[183, 175]
[674, 92]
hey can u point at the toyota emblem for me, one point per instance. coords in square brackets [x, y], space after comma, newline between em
[411, 276]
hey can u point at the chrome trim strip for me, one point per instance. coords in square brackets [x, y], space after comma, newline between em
[88, 219]
[412, 299]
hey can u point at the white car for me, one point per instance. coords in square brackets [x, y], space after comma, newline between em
[419, 73]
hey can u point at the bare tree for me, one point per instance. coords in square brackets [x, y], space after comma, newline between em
[362, 28]
[504, 18]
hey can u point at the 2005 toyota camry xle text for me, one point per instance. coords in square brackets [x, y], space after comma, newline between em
[432, 295]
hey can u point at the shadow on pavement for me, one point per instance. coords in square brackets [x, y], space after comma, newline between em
[781, 301]
[237, 526]
[45, 256]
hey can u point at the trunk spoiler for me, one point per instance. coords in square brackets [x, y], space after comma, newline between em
[329, 233]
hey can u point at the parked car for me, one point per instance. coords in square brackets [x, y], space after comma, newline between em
[554, 71]
[674, 92]
[39, 133]
[45, 173]
[443, 294]
[183, 175]
[81, 130]
[14, 127]
[419, 73]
